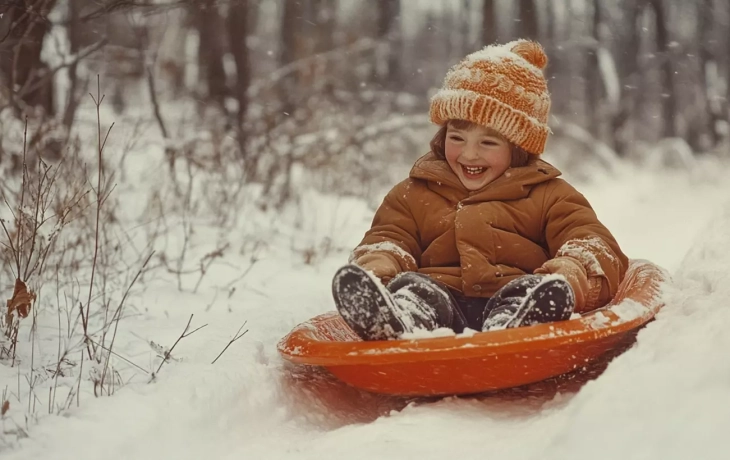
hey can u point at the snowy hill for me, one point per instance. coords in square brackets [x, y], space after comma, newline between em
[667, 397]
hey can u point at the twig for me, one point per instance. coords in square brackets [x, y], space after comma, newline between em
[254, 259]
[100, 171]
[206, 262]
[12, 247]
[22, 197]
[122, 357]
[123, 5]
[83, 54]
[36, 226]
[118, 314]
[78, 391]
[237, 336]
[156, 105]
[184, 334]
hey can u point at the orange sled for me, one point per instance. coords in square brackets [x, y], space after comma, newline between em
[483, 361]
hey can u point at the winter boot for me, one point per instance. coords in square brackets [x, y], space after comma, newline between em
[377, 313]
[428, 294]
[528, 300]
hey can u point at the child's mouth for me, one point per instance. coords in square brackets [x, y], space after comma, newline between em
[473, 172]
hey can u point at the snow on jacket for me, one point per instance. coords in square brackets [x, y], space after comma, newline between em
[476, 242]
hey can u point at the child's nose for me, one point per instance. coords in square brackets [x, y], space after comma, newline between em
[470, 153]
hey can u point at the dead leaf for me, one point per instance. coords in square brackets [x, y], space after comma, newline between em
[20, 302]
[5, 407]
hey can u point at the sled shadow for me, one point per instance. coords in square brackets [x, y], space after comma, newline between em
[319, 398]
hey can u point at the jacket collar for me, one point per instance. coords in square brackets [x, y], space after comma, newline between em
[514, 184]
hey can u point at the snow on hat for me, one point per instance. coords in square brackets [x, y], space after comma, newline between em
[501, 87]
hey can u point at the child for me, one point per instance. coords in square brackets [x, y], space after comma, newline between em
[482, 234]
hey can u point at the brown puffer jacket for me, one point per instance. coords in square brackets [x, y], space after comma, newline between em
[476, 242]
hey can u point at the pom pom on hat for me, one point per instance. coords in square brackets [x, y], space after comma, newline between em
[500, 87]
[531, 52]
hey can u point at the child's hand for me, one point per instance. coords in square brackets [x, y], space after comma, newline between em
[573, 272]
[380, 265]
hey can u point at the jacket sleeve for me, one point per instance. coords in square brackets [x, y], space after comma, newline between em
[394, 232]
[572, 229]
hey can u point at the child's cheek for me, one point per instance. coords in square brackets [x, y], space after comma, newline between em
[451, 151]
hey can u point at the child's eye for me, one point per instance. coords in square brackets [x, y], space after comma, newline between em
[489, 143]
[455, 138]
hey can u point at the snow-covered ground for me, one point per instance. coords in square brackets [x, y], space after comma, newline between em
[667, 397]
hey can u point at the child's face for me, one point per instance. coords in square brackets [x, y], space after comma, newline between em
[477, 155]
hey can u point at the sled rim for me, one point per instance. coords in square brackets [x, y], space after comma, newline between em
[641, 286]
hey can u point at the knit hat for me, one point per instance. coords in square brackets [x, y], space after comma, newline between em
[501, 87]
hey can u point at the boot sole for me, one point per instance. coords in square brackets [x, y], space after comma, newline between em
[554, 291]
[365, 304]
[559, 295]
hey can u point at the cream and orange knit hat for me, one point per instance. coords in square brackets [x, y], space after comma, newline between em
[501, 87]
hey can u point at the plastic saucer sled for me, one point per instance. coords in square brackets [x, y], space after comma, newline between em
[484, 361]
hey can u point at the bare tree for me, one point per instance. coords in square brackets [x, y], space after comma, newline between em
[211, 51]
[22, 31]
[727, 63]
[317, 30]
[238, 20]
[323, 14]
[709, 67]
[490, 33]
[465, 27]
[593, 78]
[555, 70]
[669, 100]
[527, 25]
[291, 44]
[628, 67]
[389, 29]
[73, 32]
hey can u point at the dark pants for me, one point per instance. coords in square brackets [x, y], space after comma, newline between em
[527, 297]
[472, 311]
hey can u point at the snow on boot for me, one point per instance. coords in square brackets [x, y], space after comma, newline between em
[372, 311]
[430, 296]
[529, 300]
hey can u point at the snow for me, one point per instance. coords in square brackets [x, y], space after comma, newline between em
[425, 334]
[585, 250]
[629, 310]
[499, 53]
[439, 332]
[599, 320]
[667, 397]
[384, 246]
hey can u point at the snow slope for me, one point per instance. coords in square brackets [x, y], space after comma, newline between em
[668, 397]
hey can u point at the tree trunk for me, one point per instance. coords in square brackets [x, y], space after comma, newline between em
[291, 23]
[593, 78]
[708, 59]
[727, 63]
[465, 28]
[669, 101]
[628, 68]
[238, 21]
[210, 54]
[490, 33]
[324, 16]
[72, 32]
[726, 25]
[555, 72]
[320, 29]
[22, 30]
[389, 29]
[527, 25]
